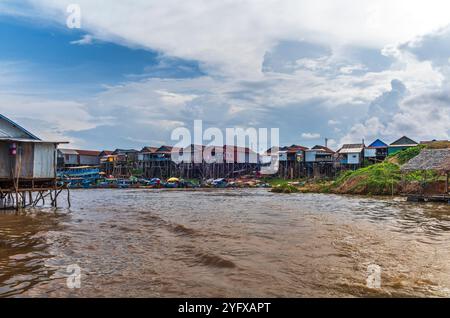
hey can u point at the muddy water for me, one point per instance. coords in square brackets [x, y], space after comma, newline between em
[140, 243]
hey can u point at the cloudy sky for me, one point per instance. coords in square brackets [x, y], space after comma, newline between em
[338, 69]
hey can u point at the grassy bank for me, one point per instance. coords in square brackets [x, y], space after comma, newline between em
[378, 179]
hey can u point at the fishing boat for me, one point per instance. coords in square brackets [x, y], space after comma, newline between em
[219, 183]
[172, 183]
[80, 177]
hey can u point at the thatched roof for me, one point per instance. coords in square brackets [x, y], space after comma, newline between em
[430, 159]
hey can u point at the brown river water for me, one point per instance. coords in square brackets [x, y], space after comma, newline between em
[225, 243]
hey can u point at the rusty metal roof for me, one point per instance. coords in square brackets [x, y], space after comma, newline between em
[322, 148]
[149, 149]
[95, 153]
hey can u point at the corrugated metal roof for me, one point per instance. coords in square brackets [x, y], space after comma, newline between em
[164, 150]
[351, 148]
[36, 141]
[378, 144]
[88, 152]
[124, 151]
[68, 151]
[323, 148]
[404, 141]
[149, 149]
[5, 134]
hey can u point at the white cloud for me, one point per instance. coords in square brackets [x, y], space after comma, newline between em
[85, 40]
[234, 35]
[310, 136]
[173, 98]
[50, 119]
[333, 122]
[349, 69]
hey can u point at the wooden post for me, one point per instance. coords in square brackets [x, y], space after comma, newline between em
[446, 182]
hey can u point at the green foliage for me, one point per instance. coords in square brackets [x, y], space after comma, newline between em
[285, 188]
[377, 179]
[406, 155]
[429, 176]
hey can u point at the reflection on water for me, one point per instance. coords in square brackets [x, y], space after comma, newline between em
[226, 243]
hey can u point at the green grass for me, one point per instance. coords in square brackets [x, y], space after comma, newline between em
[378, 179]
[420, 176]
[285, 188]
[406, 155]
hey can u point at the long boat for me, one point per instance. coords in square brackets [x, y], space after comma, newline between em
[81, 177]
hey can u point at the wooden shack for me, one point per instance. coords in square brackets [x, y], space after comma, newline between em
[291, 161]
[352, 155]
[435, 160]
[319, 161]
[27, 165]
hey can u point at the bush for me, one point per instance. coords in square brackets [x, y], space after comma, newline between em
[285, 188]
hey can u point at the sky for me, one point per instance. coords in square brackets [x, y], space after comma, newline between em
[345, 70]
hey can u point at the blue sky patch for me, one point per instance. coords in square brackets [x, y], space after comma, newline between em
[56, 61]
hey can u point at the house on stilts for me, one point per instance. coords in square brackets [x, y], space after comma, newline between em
[28, 166]
[376, 151]
[401, 144]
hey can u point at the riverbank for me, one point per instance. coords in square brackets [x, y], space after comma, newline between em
[382, 179]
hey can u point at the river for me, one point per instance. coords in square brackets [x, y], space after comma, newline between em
[225, 243]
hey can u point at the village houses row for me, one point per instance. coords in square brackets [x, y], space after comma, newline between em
[349, 154]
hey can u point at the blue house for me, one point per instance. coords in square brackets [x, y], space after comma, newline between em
[376, 151]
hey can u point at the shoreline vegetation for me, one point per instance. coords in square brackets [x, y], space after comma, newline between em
[379, 179]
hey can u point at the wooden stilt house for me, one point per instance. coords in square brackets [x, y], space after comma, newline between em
[27, 165]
